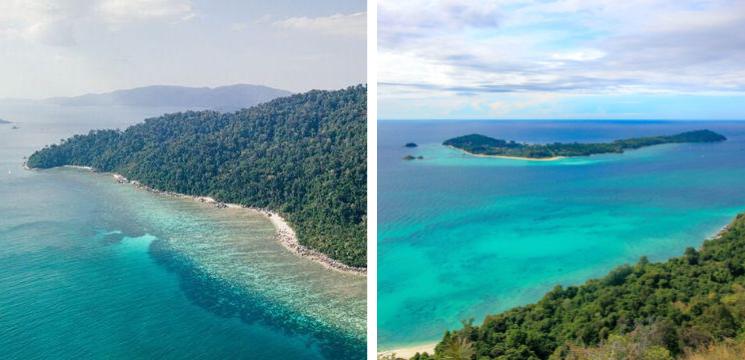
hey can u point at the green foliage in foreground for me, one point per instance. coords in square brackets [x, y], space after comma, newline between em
[684, 303]
[304, 156]
[484, 145]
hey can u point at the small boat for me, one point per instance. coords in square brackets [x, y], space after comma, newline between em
[14, 127]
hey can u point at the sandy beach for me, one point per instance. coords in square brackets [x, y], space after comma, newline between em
[410, 351]
[554, 158]
[78, 167]
[285, 235]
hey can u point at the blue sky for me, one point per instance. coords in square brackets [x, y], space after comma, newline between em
[537, 59]
[69, 47]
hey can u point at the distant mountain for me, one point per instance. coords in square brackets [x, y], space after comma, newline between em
[223, 98]
[4, 122]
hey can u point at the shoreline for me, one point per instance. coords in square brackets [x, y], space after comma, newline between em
[284, 234]
[409, 351]
[718, 234]
[553, 158]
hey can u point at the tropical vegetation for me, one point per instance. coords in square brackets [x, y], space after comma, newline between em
[646, 311]
[484, 145]
[303, 156]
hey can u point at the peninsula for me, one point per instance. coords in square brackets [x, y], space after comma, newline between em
[302, 157]
[481, 145]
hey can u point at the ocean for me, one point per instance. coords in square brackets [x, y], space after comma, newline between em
[94, 269]
[460, 237]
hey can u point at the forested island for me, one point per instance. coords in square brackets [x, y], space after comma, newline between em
[647, 311]
[303, 156]
[477, 144]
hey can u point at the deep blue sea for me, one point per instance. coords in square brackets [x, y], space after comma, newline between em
[91, 269]
[460, 237]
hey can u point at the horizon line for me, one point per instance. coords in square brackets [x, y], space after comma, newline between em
[554, 119]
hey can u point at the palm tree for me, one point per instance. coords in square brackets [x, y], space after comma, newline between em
[459, 348]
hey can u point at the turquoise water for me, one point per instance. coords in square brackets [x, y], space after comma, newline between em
[93, 269]
[460, 237]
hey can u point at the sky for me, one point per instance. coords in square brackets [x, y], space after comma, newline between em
[555, 59]
[71, 47]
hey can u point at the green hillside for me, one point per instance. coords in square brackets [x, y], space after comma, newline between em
[668, 308]
[304, 156]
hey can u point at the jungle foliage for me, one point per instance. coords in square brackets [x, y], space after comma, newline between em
[304, 156]
[484, 145]
[654, 310]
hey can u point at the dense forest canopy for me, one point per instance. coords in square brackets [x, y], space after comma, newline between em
[304, 156]
[660, 310]
[484, 145]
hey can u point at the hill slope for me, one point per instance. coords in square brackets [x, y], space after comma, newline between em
[684, 303]
[304, 156]
[224, 98]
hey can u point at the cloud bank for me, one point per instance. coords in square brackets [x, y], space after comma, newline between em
[54, 48]
[484, 53]
[54, 22]
[354, 24]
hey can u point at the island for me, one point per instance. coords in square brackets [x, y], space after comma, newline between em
[302, 157]
[411, 145]
[481, 145]
[664, 310]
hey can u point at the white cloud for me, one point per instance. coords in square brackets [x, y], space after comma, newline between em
[122, 11]
[579, 55]
[54, 22]
[533, 57]
[354, 24]
[534, 101]
[238, 26]
[571, 46]
[43, 21]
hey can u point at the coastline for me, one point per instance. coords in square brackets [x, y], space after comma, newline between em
[409, 351]
[554, 158]
[284, 234]
[718, 234]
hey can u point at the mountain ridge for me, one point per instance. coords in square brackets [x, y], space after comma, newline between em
[222, 98]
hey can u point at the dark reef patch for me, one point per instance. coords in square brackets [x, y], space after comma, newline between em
[226, 300]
